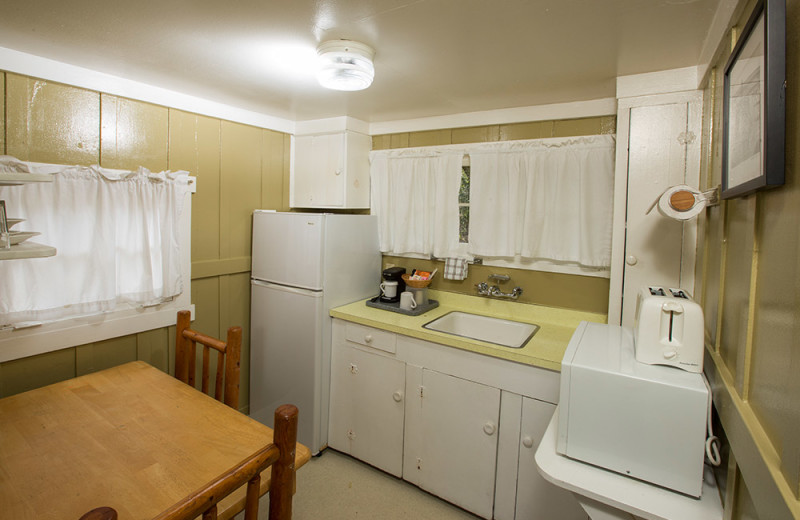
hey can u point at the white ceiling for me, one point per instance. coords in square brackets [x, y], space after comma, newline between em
[433, 57]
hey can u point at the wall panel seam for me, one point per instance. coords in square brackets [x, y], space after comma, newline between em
[758, 450]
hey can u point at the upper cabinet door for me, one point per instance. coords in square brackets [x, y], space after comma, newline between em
[330, 171]
[663, 150]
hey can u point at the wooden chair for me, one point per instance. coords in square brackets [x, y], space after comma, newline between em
[228, 354]
[280, 455]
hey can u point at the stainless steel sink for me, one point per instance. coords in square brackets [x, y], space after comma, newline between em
[508, 333]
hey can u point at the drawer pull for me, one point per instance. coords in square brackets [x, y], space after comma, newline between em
[368, 338]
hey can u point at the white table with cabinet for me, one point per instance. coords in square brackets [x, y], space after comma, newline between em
[460, 424]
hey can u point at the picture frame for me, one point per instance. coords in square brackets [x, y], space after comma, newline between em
[754, 104]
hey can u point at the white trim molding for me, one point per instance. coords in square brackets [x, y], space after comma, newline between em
[51, 70]
[578, 109]
[662, 82]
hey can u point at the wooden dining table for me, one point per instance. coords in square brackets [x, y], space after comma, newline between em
[130, 437]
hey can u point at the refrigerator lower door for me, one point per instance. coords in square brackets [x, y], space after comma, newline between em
[286, 357]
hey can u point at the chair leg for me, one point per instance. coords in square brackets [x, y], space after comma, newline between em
[282, 484]
[251, 498]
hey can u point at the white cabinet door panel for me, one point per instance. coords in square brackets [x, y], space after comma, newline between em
[367, 401]
[451, 440]
[537, 498]
[663, 151]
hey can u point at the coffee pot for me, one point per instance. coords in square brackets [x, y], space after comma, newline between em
[393, 285]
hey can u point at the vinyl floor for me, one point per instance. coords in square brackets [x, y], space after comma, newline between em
[334, 486]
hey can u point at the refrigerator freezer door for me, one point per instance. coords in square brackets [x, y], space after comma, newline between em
[288, 249]
[286, 357]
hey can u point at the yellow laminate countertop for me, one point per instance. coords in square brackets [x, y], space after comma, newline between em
[545, 349]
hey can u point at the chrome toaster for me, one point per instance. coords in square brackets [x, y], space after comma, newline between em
[668, 329]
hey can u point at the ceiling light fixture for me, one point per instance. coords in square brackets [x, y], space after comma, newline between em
[345, 65]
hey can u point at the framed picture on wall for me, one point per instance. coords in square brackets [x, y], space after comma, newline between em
[754, 105]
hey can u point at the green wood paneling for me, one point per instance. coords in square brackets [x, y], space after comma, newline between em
[476, 134]
[273, 188]
[32, 372]
[581, 126]
[194, 147]
[133, 134]
[235, 310]
[430, 138]
[586, 293]
[534, 130]
[52, 123]
[739, 233]
[153, 346]
[240, 187]
[105, 354]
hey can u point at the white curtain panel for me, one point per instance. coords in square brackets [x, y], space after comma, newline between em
[117, 237]
[415, 197]
[543, 199]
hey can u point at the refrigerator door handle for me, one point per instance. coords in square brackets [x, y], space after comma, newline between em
[286, 288]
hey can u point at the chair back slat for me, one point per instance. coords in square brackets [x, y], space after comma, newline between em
[228, 360]
[206, 363]
[220, 375]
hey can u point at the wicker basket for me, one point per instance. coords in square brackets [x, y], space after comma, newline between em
[416, 284]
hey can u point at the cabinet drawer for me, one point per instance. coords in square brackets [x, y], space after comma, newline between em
[367, 336]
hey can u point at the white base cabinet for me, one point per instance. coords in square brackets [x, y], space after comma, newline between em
[457, 424]
[537, 498]
[366, 413]
[451, 438]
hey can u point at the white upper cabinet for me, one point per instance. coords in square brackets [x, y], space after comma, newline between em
[330, 170]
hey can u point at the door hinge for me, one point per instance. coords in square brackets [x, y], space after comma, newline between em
[419, 463]
[422, 391]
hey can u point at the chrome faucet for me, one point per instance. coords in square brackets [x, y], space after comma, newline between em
[494, 291]
[497, 293]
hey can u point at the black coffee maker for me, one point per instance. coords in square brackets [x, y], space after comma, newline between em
[394, 274]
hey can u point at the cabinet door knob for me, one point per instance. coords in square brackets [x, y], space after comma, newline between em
[337, 172]
[397, 396]
[368, 338]
[527, 441]
[489, 428]
[631, 260]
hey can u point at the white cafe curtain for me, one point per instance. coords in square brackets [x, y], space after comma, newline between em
[116, 234]
[415, 197]
[543, 199]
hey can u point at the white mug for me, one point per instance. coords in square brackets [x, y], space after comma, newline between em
[407, 302]
[389, 289]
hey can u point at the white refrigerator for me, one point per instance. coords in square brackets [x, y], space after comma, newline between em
[304, 264]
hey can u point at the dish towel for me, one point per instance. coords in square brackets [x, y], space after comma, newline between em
[455, 268]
